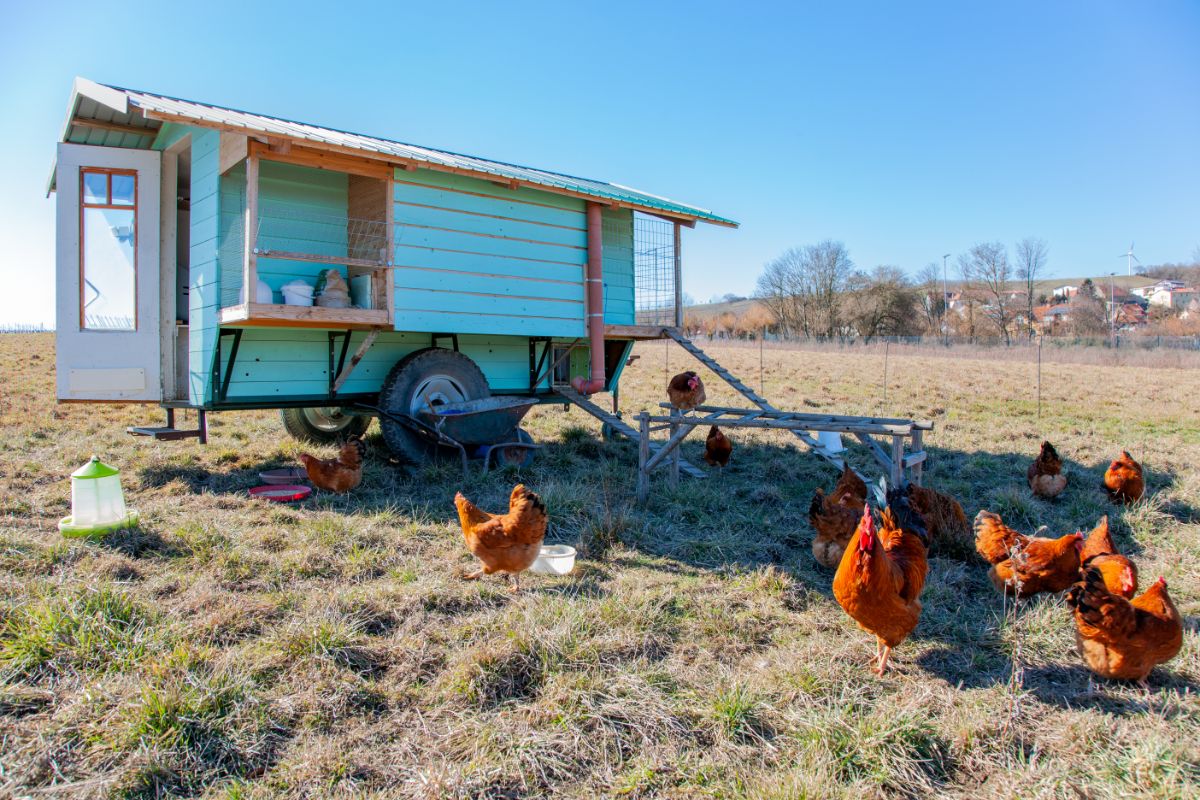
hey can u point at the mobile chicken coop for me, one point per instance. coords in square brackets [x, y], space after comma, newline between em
[181, 225]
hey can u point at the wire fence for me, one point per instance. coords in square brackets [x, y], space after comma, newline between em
[1119, 342]
[653, 270]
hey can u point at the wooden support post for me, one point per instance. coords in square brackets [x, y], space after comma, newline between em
[643, 476]
[250, 229]
[918, 446]
[678, 280]
[674, 474]
[897, 472]
[389, 276]
[354, 359]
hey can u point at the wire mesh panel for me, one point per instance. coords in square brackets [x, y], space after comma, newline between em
[654, 270]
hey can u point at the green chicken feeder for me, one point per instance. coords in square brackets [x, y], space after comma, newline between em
[97, 502]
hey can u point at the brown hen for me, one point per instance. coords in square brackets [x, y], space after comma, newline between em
[339, 474]
[1029, 564]
[835, 516]
[717, 448]
[1100, 552]
[1045, 475]
[1123, 479]
[945, 520]
[506, 543]
[1124, 639]
[686, 391]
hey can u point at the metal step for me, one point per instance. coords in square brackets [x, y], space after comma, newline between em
[169, 433]
[618, 424]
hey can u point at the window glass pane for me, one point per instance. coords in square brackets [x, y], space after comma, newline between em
[122, 190]
[95, 187]
[109, 289]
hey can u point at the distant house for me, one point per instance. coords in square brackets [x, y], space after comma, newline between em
[1065, 292]
[1175, 298]
[1130, 315]
[1163, 285]
[1050, 319]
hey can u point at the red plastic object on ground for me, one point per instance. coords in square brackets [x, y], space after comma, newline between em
[281, 494]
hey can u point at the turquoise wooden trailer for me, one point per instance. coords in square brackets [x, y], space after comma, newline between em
[181, 223]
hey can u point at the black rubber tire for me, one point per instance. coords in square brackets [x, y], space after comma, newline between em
[461, 380]
[318, 426]
[519, 457]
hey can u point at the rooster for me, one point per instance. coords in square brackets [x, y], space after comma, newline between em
[881, 575]
[834, 517]
[717, 448]
[1045, 475]
[945, 520]
[1100, 552]
[506, 543]
[1123, 479]
[1124, 639]
[686, 391]
[1032, 564]
[339, 474]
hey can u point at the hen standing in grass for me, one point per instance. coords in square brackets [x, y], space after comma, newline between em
[1124, 639]
[1045, 475]
[717, 448]
[945, 520]
[686, 391]
[506, 543]
[1123, 479]
[881, 575]
[1036, 565]
[339, 474]
[835, 517]
[1100, 552]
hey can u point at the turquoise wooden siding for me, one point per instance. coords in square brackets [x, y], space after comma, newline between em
[283, 363]
[475, 257]
[618, 266]
[204, 286]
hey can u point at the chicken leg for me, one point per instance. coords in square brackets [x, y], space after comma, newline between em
[887, 652]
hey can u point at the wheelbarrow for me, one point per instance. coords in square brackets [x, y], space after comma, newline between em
[487, 428]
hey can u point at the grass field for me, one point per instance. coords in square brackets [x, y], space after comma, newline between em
[231, 649]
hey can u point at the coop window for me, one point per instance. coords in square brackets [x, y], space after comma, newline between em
[108, 250]
[654, 270]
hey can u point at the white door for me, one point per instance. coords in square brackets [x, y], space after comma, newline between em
[108, 306]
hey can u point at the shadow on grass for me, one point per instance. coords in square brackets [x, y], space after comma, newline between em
[1075, 686]
[141, 542]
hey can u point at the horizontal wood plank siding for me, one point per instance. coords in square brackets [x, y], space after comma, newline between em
[204, 286]
[476, 257]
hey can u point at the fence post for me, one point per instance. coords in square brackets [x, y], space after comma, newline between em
[674, 474]
[1039, 379]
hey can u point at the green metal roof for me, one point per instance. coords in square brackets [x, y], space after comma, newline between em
[122, 106]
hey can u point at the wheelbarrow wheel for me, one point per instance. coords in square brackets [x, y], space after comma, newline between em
[431, 377]
[323, 425]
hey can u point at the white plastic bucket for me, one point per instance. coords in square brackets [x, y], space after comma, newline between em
[554, 559]
[297, 293]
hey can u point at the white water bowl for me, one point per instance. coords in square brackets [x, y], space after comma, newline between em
[554, 559]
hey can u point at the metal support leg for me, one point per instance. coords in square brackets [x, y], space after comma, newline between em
[643, 476]
[203, 425]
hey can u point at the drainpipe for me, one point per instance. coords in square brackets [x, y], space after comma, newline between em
[595, 302]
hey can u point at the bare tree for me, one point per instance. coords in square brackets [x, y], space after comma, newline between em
[931, 298]
[881, 303]
[1031, 262]
[803, 288]
[985, 267]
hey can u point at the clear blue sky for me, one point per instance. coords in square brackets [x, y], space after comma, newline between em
[906, 130]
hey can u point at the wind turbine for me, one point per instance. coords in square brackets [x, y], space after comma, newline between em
[1129, 259]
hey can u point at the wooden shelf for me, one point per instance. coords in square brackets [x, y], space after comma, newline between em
[287, 255]
[274, 315]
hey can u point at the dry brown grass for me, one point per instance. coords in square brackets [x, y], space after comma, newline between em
[231, 649]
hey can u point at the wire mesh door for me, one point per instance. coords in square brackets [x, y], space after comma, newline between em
[654, 270]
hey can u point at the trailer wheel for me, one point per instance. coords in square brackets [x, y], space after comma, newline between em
[323, 425]
[434, 376]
